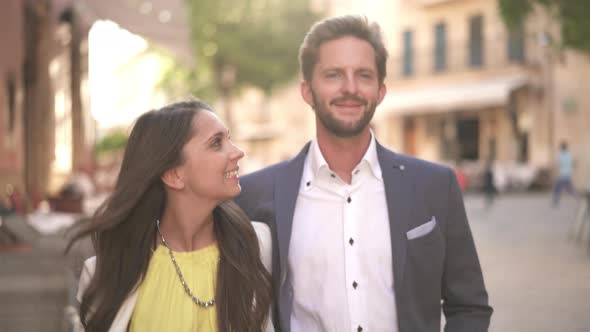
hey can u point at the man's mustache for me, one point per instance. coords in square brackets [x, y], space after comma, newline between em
[344, 99]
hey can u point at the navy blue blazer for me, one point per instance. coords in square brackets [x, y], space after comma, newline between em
[441, 265]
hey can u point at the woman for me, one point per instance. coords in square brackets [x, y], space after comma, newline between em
[173, 252]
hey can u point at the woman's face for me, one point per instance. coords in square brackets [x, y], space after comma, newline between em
[209, 167]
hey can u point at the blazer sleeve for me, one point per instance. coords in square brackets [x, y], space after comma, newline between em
[465, 300]
[86, 276]
[123, 317]
[265, 242]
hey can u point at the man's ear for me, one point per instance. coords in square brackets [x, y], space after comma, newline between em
[382, 93]
[173, 178]
[305, 88]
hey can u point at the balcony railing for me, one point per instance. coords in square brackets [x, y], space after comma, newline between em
[459, 57]
[426, 3]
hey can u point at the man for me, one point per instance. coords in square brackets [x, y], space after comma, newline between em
[564, 179]
[364, 239]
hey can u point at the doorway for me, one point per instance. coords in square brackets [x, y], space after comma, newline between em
[468, 138]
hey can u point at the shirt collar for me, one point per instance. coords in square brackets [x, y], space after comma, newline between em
[371, 158]
[317, 162]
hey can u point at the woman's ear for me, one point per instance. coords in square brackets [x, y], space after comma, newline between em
[173, 179]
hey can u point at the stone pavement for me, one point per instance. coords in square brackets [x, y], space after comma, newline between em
[537, 278]
[37, 281]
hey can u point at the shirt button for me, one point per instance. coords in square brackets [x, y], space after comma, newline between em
[349, 200]
[354, 284]
[332, 175]
[351, 241]
[308, 183]
[360, 329]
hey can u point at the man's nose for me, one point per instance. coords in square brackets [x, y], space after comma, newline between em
[350, 85]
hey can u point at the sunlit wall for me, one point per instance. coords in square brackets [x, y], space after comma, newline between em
[123, 76]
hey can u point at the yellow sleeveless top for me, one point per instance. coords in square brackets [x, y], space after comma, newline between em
[163, 304]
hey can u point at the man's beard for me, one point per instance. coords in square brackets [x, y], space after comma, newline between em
[338, 127]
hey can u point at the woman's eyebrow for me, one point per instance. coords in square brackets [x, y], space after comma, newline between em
[218, 134]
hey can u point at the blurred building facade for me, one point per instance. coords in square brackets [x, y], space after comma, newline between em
[43, 123]
[462, 89]
[47, 131]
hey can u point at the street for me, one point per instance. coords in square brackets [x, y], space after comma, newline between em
[537, 278]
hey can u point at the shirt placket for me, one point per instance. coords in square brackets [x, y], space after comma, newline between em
[354, 283]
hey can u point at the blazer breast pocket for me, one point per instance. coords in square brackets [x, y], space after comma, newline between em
[426, 250]
[422, 230]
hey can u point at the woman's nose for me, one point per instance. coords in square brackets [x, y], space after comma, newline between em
[237, 153]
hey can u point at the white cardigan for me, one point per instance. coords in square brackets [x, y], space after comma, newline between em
[123, 317]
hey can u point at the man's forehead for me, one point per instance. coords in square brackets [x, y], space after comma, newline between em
[346, 48]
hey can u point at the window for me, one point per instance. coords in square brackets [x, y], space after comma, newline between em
[516, 45]
[440, 47]
[408, 55]
[11, 100]
[476, 41]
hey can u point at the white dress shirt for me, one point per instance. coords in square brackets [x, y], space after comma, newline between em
[340, 264]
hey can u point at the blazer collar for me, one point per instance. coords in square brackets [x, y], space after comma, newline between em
[123, 317]
[285, 192]
[399, 193]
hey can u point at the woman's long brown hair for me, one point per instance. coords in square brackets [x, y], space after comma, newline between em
[123, 230]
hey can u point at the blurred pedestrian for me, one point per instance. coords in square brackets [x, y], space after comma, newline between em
[173, 251]
[564, 179]
[461, 178]
[489, 187]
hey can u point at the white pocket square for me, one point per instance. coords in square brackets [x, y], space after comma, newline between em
[422, 229]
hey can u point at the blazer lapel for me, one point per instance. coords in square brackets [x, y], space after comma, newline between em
[123, 317]
[285, 196]
[399, 192]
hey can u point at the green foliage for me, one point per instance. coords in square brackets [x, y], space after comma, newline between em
[572, 14]
[114, 141]
[180, 81]
[575, 20]
[514, 12]
[257, 38]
